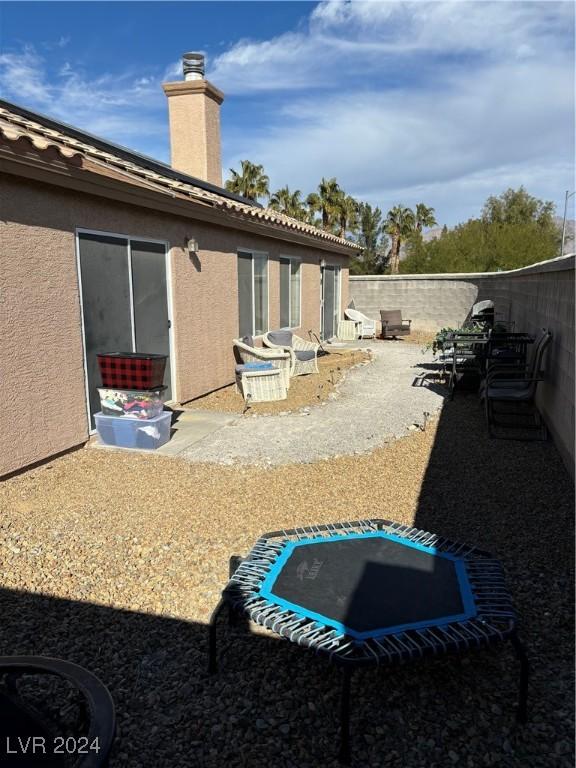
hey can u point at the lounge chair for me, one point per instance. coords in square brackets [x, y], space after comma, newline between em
[303, 354]
[245, 351]
[22, 721]
[367, 327]
[393, 325]
[516, 388]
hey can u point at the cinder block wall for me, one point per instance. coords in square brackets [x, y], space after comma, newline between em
[535, 297]
[431, 303]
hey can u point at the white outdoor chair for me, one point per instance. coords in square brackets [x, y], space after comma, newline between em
[303, 354]
[367, 326]
[246, 352]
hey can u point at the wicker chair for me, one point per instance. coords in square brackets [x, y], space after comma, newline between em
[393, 325]
[246, 352]
[303, 354]
[367, 326]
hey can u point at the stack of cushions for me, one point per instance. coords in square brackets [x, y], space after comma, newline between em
[284, 339]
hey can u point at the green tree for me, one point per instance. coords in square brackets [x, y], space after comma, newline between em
[289, 203]
[424, 217]
[326, 202]
[516, 206]
[515, 229]
[400, 223]
[347, 215]
[372, 238]
[251, 182]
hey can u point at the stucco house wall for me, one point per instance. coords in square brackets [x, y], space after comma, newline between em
[43, 386]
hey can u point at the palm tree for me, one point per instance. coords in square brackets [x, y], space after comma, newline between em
[400, 222]
[424, 217]
[347, 215]
[326, 202]
[251, 182]
[289, 203]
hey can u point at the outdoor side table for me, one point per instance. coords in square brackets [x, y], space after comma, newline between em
[348, 330]
[372, 592]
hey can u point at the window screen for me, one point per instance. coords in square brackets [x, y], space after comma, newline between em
[295, 294]
[285, 279]
[105, 304]
[245, 295]
[260, 294]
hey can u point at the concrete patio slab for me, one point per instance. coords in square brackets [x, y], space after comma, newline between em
[191, 426]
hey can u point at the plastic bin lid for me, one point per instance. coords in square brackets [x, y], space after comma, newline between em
[132, 389]
[134, 355]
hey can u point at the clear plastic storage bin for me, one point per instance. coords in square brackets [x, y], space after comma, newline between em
[134, 433]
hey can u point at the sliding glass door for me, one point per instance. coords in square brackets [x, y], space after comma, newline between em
[124, 302]
[330, 280]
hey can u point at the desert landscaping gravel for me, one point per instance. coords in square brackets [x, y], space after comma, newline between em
[374, 403]
[114, 560]
[305, 391]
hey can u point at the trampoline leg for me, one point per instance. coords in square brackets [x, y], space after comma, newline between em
[212, 660]
[520, 652]
[233, 564]
[344, 753]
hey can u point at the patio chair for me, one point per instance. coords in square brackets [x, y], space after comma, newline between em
[245, 351]
[24, 726]
[515, 388]
[393, 325]
[367, 326]
[303, 354]
[481, 312]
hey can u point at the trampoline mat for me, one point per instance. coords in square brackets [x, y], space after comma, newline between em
[369, 585]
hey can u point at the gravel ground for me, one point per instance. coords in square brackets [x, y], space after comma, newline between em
[304, 390]
[114, 560]
[375, 403]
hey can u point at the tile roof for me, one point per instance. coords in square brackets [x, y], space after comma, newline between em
[17, 127]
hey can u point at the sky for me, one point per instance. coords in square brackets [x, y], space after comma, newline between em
[439, 102]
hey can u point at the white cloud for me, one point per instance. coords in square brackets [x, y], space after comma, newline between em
[458, 99]
[123, 107]
[348, 37]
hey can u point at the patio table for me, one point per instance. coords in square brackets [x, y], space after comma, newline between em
[372, 592]
[472, 351]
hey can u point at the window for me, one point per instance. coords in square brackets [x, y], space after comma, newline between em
[289, 293]
[252, 293]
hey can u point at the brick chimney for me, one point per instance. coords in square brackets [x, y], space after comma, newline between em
[194, 113]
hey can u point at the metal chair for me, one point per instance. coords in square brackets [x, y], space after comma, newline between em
[515, 389]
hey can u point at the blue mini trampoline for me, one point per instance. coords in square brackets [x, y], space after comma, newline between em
[372, 592]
